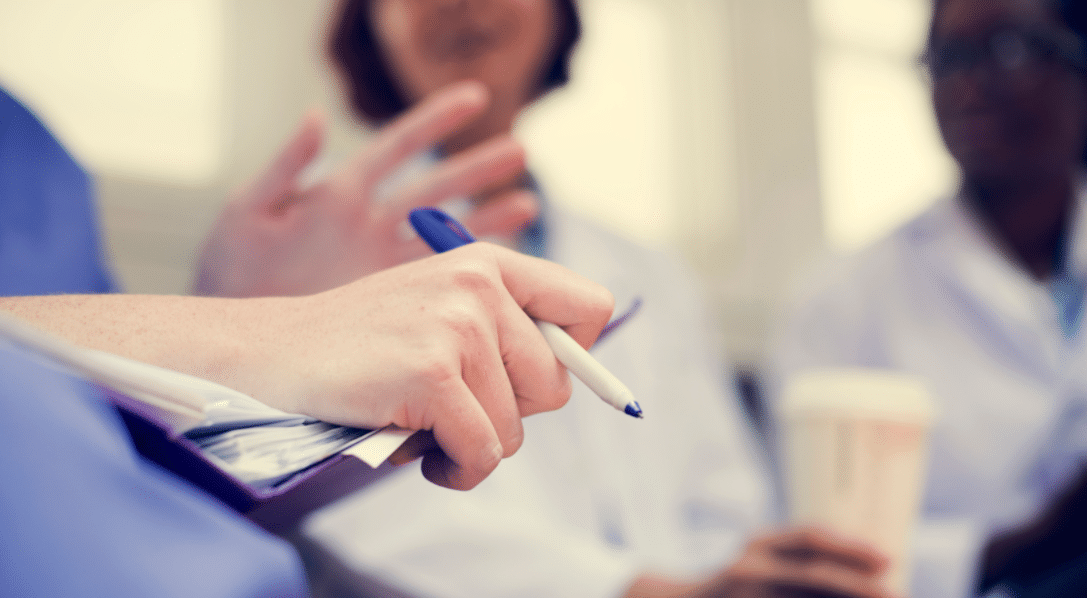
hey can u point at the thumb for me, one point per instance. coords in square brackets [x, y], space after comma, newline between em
[274, 189]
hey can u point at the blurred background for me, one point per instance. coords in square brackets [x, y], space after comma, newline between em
[750, 136]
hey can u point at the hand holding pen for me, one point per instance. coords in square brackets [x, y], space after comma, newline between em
[443, 233]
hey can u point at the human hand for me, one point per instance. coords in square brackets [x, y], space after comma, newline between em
[276, 238]
[802, 562]
[441, 344]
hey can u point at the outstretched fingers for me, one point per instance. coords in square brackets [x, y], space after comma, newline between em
[490, 164]
[503, 215]
[275, 189]
[421, 127]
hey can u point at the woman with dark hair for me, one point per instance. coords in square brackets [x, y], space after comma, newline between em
[982, 296]
[377, 94]
[281, 236]
[593, 502]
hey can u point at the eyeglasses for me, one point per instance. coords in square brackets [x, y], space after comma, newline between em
[1008, 53]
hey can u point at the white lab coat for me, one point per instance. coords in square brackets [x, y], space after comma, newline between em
[938, 299]
[594, 497]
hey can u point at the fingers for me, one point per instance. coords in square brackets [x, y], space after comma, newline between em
[828, 579]
[539, 381]
[274, 189]
[809, 543]
[507, 369]
[485, 373]
[414, 447]
[812, 561]
[549, 292]
[431, 120]
[468, 173]
[504, 215]
[470, 447]
[484, 364]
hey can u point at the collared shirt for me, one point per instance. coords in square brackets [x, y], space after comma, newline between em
[49, 240]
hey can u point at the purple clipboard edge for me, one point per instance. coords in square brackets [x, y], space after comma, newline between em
[276, 509]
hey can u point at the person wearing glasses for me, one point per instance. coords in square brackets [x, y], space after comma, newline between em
[982, 295]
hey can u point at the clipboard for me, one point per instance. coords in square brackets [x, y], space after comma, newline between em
[160, 407]
[277, 508]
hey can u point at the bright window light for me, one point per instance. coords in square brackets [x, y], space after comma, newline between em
[602, 145]
[132, 87]
[881, 158]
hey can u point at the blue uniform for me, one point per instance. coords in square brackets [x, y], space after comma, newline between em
[82, 514]
[49, 240]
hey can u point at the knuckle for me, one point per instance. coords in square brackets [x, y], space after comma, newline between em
[435, 368]
[466, 322]
[477, 275]
[547, 397]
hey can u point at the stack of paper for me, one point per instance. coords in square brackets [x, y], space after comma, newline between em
[254, 443]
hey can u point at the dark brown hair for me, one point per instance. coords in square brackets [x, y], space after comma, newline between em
[373, 91]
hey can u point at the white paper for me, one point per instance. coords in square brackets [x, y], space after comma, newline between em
[257, 444]
[379, 447]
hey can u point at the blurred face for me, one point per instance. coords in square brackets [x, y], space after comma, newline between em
[504, 43]
[1008, 102]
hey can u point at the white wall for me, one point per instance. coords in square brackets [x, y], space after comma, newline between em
[603, 144]
[132, 86]
[881, 156]
[171, 104]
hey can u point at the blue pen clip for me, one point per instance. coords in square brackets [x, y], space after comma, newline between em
[440, 230]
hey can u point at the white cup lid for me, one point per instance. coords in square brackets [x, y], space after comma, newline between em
[861, 393]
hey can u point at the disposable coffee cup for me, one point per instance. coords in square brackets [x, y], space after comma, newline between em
[856, 447]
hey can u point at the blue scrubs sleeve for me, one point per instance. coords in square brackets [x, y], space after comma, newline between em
[82, 514]
[49, 240]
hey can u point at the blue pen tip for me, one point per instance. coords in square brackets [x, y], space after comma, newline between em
[634, 410]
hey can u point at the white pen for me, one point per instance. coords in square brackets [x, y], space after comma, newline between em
[443, 233]
[588, 370]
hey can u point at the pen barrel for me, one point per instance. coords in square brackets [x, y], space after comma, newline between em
[586, 367]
